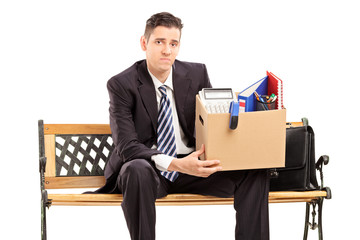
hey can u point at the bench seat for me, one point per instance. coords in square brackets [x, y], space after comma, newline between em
[178, 199]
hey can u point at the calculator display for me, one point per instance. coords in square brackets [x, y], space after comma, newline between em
[223, 93]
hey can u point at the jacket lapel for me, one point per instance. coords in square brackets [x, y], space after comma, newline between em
[147, 92]
[181, 84]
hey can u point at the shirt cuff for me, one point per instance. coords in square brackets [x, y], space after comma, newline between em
[162, 161]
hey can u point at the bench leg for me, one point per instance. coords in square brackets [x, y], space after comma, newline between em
[44, 204]
[42, 165]
[313, 225]
[307, 217]
[320, 204]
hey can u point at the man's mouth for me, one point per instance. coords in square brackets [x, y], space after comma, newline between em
[165, 59]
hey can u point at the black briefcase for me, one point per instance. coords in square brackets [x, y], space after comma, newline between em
[299, 172]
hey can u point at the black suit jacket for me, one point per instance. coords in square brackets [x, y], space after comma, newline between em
[133, 112]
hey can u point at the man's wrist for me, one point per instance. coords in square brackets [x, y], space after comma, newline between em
[162, 161]
[173, 166]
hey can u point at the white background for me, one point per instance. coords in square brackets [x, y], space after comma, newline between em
[56, 57]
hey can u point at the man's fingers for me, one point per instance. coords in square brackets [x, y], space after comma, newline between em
[209, 167]
[193, 166]
[200, 151]
[208, 163]
[207, 171]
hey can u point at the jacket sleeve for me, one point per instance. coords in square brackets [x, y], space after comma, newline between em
[125, 137]
[206, 83]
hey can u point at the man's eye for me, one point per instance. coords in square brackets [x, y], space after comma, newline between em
[174, 44]
[158, 42]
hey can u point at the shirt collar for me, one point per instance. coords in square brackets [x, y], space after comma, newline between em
[157, 83]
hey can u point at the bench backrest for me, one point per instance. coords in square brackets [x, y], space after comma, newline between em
[77, 154]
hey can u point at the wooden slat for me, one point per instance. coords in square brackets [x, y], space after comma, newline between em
[157, 203]
[74, 182]
[291, 200]
[295, 194]
[86, 204]
[50, 155]
[296, 124]
[119, 197]
[77, 129]
[173, 203]
[92, 128]
[99, 181]
[178, 199]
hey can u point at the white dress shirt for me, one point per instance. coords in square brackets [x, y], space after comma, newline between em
[163, 161]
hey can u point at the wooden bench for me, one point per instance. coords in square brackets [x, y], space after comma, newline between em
[74, 156]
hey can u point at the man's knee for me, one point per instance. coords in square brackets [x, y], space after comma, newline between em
[137, 171]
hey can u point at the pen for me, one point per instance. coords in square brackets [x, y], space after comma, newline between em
[272, 96]
[261, 100]
[257, 96]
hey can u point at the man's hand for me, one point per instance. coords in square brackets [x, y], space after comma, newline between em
[191, 165]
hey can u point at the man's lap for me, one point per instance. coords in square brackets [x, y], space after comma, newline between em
[219, 184]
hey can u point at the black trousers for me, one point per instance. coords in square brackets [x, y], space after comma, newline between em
[141, 184]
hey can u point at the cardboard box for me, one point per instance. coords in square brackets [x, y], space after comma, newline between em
[257, 142]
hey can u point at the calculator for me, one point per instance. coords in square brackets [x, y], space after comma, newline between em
[217, 100]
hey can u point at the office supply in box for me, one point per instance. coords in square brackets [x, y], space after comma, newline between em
[262, 105]
[268, 85]
[234, 114]
[217, 100]
[247, 95]
[275, 86]
[257, 142]
[265, 102]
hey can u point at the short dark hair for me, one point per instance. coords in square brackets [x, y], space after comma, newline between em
[162, 19]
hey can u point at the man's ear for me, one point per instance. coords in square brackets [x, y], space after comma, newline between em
[143, 42]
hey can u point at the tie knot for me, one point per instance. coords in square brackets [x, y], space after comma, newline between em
[162, 89]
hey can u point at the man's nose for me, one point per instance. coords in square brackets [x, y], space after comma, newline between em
[166, 50]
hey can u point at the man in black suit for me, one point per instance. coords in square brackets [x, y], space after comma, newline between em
[140, 169]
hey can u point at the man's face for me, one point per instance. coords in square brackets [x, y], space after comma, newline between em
[161, 49]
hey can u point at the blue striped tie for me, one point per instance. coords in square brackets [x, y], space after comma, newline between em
[165, 132]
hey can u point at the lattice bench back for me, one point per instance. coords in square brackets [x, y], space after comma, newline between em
[76, 154]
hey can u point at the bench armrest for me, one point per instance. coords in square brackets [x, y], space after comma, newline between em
[323, 160]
